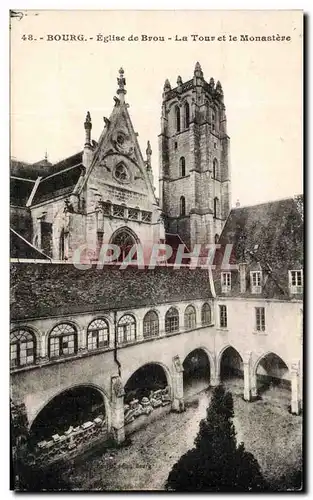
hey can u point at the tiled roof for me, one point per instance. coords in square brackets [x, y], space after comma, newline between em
[30, 171]
[23, 249]
[20, 190]
[39, 290]
[269, 235]
[61, 183]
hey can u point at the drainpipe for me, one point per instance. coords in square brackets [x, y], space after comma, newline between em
[115, 345]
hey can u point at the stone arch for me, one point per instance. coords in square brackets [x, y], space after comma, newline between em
[232, 367]
[74, 387]
[167, 375]
[198, 371]
[270, 370]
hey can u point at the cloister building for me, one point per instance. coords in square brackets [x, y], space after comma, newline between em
[97, 352]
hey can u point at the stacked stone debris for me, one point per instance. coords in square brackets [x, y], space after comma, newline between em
[135, 409]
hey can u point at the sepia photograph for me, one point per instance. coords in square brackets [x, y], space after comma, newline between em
[156, 250]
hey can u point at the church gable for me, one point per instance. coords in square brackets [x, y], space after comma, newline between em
[118, 172]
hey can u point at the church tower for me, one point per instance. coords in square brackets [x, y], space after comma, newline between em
[194, 159]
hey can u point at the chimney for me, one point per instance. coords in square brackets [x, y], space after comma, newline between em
[242, 276]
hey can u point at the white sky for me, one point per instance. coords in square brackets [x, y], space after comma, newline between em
[53, 84]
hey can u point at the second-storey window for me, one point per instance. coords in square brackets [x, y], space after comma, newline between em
[226, 282]
[172, 320]
[62, 340]
[126, 329]
[260, 319]
[223, 316]
[190, 317]
[97, 334]
[296, 281]
[256, 281]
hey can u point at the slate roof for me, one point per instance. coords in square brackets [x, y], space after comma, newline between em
[39, 290]
[23, 249]
[20, 190]
[57, 179]
[269, 236]
[60, 183]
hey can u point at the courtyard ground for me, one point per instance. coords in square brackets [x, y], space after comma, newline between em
[272, 434]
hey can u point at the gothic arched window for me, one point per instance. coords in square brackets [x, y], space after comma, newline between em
[187, 115]
[22, 348]
[182, 167]
[177, 116]
[190, 317]
[216, 208]
[171, 320]
[126, 329]
[125, 240]
[150, 324]
[215, 169]
[62, 340]
[97, 334]
[206, 316]
[182, 205]
[216, 238]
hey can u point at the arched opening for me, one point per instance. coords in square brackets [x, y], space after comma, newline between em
[150, 325]
[177, 116]
[62, 341]
[190, 317]
[216, 208]
[273, 379]
[182, 204]
[187, 115]
[66, 411]
[215, 169]
[216, 238]
[206, 314]
[231, 369]
[172, 320]
[147, 394]
[125, 239]
[97, 334]
[182, 167]
[126, 329]
[196, 372]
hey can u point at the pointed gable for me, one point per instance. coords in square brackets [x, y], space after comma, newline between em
[118, 172]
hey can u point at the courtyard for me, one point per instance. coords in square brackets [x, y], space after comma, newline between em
[265, 426]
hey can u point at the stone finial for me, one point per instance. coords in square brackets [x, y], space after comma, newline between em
[46, 156]
[179, 81]
[88, 127]
[198, 70]
[237, 204]
[219, 90]
[121, 81]
[148, 154]
[167, 86]
[211, 83]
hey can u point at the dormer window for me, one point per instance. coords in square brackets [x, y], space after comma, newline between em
[226, 282]
[256, 281]
[296, 281]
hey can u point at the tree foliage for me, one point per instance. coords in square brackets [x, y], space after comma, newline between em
[216, 463]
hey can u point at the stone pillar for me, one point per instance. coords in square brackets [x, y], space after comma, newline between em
[178, 385]
[117, 405]
[215, 374]
[295, 389]
[247, 376]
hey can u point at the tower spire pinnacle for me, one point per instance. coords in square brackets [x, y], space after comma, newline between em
[121, 81]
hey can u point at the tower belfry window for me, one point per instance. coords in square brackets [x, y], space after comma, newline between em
[182, 167]
[216, 208]
[177, 115]
[187, 115]
[182, 205]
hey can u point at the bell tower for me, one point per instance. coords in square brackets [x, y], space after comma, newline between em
[194, 159]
